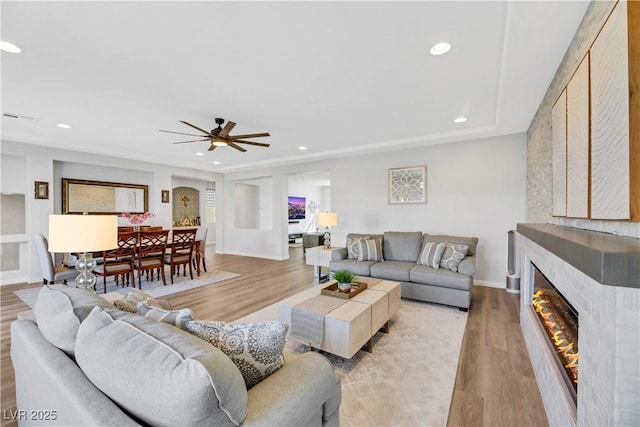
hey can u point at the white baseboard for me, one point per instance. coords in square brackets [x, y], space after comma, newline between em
[490, 284]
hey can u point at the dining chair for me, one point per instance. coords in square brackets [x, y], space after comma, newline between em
[181, 252]
[199, 248]
[152, 247]
[51, 273]
[119, 262]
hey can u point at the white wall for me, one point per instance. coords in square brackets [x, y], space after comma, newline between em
[474, 188]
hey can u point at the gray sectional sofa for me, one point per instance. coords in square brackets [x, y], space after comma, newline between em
[85, 363]
[399, 262]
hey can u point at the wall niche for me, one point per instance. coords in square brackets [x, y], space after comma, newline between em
[185, 206]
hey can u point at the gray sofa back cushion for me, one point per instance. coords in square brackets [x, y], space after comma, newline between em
[402, 245]
[469, 241]
[158, 373]
[60, 309]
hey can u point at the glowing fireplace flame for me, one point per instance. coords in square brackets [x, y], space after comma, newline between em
[561, 344]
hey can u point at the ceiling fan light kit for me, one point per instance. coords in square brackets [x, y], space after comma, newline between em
[219, 137]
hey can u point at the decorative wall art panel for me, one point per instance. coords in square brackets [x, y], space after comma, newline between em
[408, 185]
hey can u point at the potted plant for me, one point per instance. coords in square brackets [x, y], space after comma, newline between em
[344, 279]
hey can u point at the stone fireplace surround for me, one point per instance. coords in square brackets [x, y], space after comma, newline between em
[599, 274]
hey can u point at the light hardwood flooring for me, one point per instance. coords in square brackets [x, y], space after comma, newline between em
[494, 386]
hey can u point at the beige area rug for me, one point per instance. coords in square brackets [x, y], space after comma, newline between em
[408, 378]
[154, 288]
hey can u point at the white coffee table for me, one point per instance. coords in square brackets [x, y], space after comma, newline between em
[351, 326]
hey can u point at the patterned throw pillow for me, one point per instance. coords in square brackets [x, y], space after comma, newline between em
[452, 256]
[369, 250]
[255, 348]
[353, 249]
[130, 301]
[431, 254]
[177, 318]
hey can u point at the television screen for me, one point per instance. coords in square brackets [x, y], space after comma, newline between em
[296, 207]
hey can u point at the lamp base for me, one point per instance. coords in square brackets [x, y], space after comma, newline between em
[85, 265]
[327, 240]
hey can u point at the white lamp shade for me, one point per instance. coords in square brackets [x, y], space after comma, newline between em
[327, 219]
[82, 233]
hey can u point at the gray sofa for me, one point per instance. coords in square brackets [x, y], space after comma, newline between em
[145, 372]
[400, 254]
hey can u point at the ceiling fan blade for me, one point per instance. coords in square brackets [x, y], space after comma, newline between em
[212, 147]
[249, 135]
[180, 133]
[237, 147]
[194, 140]
[196, 127]
[259, 144]
[227, 128]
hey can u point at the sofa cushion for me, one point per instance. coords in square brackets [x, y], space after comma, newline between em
[442, 277]
[452, 255]
[402, 245]
[255, 348]
[178, 318]
[369, 250]
[392, 270]
[431, 254]
[159, 374]
[353, 250]
[359, 268]
[472, 242]
[60, 309]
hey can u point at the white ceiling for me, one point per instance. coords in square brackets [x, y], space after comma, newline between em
[337, 77]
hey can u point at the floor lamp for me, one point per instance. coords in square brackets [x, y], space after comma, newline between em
[83, 234]
[327, 219]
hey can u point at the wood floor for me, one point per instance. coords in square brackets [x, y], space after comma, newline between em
[495, 385]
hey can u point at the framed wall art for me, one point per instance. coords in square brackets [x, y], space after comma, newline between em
[41, 190]
[165, 196]
[408, 185]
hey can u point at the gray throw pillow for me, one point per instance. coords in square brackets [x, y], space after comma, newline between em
[255, 348]
[159, 374]
[59, 311]
[369, 250]
[432, 254]
[178, 318]
[452, 256]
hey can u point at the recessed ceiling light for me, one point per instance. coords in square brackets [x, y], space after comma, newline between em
[440, 48]
[199, 154]
[216, 163]
[9, 47]
[64, 126]
[302, 148]
[460, 120]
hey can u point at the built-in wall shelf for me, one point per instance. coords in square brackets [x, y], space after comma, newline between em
[609, 259]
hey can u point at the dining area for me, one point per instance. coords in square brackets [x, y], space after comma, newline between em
[97, 249]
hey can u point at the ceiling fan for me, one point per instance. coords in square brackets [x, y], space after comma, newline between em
[219, 137]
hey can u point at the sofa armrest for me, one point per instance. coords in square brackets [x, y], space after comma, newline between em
[467, 266]
[339, 254]
[304, 391]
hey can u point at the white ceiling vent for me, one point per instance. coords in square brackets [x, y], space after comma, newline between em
[20, 117]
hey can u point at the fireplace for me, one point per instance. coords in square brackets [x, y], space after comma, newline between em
[559, 321]
[597, 274]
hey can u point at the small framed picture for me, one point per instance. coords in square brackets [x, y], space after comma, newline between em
[41, 190]
[165, 196]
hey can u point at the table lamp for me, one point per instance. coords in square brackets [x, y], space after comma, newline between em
[327, 219]
[83, 234]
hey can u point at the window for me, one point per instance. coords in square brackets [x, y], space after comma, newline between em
[211, 205]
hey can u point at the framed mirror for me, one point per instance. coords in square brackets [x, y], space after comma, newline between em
[99, 197]
[408, 185]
